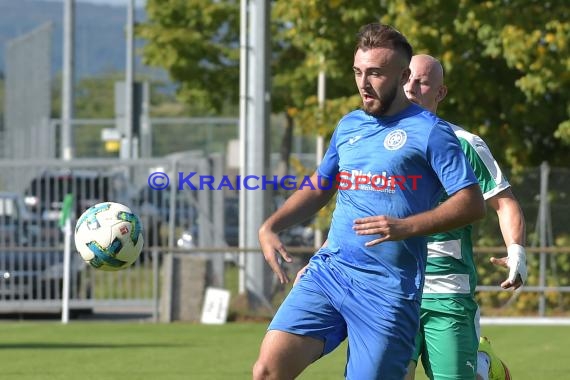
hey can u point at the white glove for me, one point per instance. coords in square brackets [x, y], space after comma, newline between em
[516, 262]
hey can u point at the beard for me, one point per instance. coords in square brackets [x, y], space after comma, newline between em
[382, 105]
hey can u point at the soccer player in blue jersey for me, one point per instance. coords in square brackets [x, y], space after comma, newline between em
[390, 161]
[449, 326]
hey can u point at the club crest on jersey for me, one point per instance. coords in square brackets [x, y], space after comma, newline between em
[395, 139]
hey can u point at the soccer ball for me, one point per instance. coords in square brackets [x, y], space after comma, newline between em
[108, 236]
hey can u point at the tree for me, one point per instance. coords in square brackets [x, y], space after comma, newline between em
[299, 55]
[322, 33]
[197, 42]
[506, 62]
[507, 70]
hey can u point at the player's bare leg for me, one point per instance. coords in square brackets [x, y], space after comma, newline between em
[284, 356]
[411, 374]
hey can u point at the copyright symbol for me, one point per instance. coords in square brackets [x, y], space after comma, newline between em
[158, 181]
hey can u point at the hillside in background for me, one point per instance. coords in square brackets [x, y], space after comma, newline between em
[99, 38]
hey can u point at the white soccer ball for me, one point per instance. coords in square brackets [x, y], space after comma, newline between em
[109, 236]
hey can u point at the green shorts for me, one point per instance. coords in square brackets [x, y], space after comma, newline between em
[448, 338]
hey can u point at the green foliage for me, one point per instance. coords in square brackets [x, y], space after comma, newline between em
[197, 42]
[508, 303]
[507, 64]
[507, 67]
[94, 97]
[321, 33]
[526, 187]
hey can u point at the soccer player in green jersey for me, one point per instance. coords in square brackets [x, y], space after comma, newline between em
[448, 340]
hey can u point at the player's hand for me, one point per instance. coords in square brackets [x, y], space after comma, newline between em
[386, 227]
[516, 262]
[271, 245]
[299, 274]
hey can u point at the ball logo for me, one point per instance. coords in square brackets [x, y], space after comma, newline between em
[116, 243]
[395, 139]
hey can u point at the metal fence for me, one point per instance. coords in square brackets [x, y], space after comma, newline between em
[31, 240]
[205, 223]
[27, 104]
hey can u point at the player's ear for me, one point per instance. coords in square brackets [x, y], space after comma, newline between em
[441, 93]
[405, 76]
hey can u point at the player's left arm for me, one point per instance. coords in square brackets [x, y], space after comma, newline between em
[512, 224]
[498, 194]
[449, 215]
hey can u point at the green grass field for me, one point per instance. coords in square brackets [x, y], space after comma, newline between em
[133, 350]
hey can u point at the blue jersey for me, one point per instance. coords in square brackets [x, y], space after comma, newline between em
[395, 166]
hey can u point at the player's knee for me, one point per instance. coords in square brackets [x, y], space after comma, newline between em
[261, 370]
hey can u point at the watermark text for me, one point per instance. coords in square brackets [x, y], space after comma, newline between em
[353, 180]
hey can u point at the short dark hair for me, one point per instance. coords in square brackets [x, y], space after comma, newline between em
[377, 35]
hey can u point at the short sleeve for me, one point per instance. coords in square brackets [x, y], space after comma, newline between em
[448, 160]
[329, 165]
[488, 172]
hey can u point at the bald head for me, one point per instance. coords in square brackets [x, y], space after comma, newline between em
[425, 85]
[428, 66]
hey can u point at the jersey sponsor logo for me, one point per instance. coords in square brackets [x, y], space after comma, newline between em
[360, 180]
[354, 139]
[395, 139]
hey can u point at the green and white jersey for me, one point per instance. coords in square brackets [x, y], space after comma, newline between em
[450, 269]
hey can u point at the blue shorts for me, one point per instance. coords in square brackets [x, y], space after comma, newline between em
[327, 304]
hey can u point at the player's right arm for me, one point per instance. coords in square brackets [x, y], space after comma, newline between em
[300, 206]
[512, 224]
[497, 192]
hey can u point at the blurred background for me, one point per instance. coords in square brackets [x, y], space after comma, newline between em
[97, 95]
